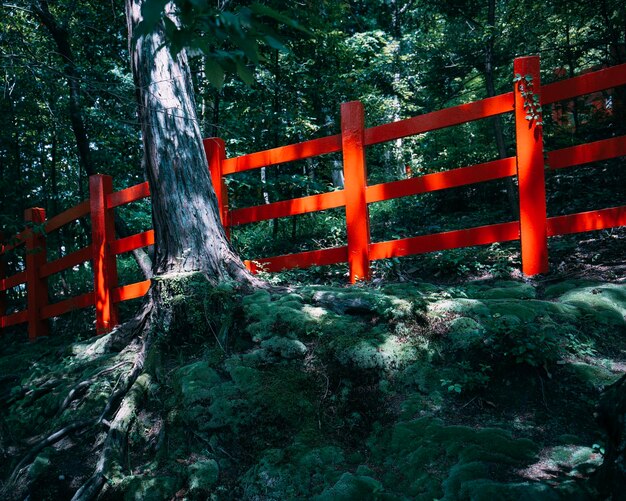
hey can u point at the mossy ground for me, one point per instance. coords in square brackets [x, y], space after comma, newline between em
[408, 391]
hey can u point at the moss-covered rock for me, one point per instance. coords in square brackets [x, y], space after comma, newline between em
[465, 333]
[194, 382]
[146, 488]
[203, 475]
[606, 303]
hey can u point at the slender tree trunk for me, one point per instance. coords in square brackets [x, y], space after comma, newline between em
[571, 68]
[188, 233]
[61, 38]
[497, 120]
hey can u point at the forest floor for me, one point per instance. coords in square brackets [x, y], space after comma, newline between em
[442, 387]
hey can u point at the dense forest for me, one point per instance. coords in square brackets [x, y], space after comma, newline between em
[447, 375]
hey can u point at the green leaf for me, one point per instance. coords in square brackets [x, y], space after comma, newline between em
[151, 12]
[244, 73]
[264, 10]
[214, 72]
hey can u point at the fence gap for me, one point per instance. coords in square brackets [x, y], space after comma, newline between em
[103, 259]
[36, 286]
[530, 165]
[355, 180]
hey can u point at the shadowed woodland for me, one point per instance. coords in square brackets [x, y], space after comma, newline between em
[446, 375]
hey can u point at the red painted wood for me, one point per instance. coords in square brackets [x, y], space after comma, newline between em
[587, 221]
[284, 208]
[321, 257]
[104, 262]
[530, 172]
[481, 235]
[36, 285]
[65, 217]
[441, 180]
[69, 261]
[128, 195]
[216, 154]
[584, 84]
[355, 176]
[132, 242]
[17, 240]
[12, 281]
[440, 119]
[13, 319]
[586, 153]
[289, 153]
[73, 303]
[131, 291]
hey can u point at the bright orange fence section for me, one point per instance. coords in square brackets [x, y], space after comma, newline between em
[532, 229]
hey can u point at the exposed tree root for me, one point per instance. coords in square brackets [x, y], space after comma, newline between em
[115, 444]
[42, 444]
[155, 317]
[80, 387]
[137, 342]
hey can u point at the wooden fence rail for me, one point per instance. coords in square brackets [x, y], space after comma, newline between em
[533, 228]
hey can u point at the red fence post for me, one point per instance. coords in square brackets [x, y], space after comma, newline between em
[216, 153]
[36, 286]
[355, 174]
[530, 165]
[104, 262]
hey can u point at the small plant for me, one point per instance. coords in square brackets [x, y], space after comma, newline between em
[526, 344]
[469, 378]
[452, 387]
[532, 103]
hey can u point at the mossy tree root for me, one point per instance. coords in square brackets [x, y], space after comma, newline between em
[152, 323]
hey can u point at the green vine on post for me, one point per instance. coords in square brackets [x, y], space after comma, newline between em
[531, 100]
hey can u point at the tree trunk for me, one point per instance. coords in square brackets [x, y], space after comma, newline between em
[497, 120]
[190, 242]
[188, 233]
[62, 40]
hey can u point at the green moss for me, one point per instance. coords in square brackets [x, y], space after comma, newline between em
[593, 375]
[285, 347]
[560, 288]
[508, 290]
[283, 316]
[143, 488]
[41, 464]
[462, 306]
[606, 303]
[465, 333]
[460, 474]
[194, 382]
[488, 490]
[350, 487]
[203, 475]
[294, 472]
[388, 354]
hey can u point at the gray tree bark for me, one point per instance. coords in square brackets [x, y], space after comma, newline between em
[188, 234]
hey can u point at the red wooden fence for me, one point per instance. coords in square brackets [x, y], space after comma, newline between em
[532, 229]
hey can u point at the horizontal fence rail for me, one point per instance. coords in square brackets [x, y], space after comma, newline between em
[532, 230]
